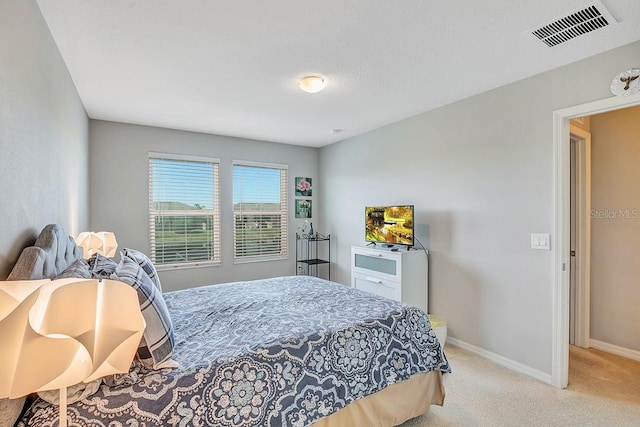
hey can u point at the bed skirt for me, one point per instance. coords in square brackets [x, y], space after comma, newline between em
[392, 406]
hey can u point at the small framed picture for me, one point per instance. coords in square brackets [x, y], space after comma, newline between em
[303, 208]
[303, 186]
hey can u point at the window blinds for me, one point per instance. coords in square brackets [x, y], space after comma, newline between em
[259, 211]
[184, 211]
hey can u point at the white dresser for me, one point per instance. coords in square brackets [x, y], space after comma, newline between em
[400, 275]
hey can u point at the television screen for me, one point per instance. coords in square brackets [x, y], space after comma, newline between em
[392, 225]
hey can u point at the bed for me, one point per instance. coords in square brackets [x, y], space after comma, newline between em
[286, 351]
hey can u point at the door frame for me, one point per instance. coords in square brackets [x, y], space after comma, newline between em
[560, 303]
[582, 297]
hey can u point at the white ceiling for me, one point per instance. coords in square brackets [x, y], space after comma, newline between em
[229, 67]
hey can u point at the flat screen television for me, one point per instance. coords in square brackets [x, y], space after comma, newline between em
[389, 225]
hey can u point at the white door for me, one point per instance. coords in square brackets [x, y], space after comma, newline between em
[572, 244]
[580, 237]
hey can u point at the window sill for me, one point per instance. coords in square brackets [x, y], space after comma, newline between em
[260, 259]
[170, 267]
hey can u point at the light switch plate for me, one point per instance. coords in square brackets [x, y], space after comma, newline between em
[541, 241]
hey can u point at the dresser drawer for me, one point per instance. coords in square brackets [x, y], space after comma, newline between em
[385, 265]
[377, 286]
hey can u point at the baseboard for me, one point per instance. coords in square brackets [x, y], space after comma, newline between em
[502, 361]
[614, 349]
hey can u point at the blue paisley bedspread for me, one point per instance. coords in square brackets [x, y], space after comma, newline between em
[286, 351]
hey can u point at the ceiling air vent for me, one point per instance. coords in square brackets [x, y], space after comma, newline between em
[583, 21]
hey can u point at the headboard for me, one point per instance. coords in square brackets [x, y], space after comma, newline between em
[53, 251]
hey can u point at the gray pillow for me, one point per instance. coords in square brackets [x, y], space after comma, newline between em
[143, 261]
[101, 267]
[156, 348]
[78, 269]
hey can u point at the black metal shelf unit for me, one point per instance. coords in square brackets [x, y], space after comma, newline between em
[309, 250]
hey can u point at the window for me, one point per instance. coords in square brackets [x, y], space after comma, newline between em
[184, 211]
[259, 211]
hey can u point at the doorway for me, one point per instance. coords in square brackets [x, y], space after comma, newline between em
[562, 227]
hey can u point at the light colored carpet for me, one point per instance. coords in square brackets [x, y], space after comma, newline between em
[604, 390]
[613, 376]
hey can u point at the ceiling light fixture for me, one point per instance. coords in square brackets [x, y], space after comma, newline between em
[312, 84]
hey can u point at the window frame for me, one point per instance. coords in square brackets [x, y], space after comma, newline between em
[283, 212]
[215, 211]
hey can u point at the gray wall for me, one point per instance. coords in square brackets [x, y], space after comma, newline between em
[43, 134]
[119, 199]
[480, 173]
[615, 227]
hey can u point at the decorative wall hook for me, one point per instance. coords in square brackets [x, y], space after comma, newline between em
[626, 83]
[627, 80]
